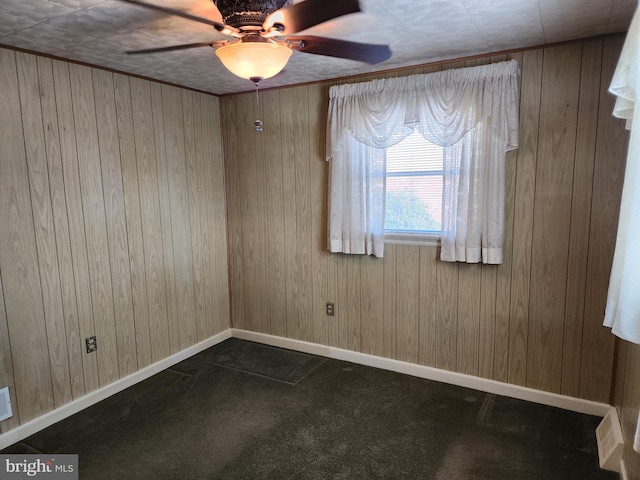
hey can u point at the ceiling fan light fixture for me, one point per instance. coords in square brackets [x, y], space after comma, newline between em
[254, 59]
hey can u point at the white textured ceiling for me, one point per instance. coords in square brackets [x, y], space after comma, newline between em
[97, 32]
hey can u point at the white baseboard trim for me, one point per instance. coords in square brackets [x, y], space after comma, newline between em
[49, 418]
[430, 373]
[490, 386]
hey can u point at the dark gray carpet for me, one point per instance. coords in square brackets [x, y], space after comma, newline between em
[241, 410]
[258, 359]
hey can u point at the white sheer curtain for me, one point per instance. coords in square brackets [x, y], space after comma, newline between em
[472, 112]
[622, 313]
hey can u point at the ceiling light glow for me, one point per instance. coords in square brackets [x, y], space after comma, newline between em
[252, 60]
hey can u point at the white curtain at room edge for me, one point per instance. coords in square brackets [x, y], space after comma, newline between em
[622, 313]
[471, 112]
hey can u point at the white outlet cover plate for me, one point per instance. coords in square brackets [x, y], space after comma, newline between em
[5, 404]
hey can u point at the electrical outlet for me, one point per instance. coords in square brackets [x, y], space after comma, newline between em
[331, 309]
[5, 404]
[92, 344]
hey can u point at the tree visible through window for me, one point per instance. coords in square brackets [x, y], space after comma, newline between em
[414, 187]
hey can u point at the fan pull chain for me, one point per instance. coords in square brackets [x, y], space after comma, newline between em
[258, 123]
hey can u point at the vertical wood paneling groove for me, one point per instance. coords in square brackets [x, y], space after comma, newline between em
[135, 330]
[77, 234]
[447, 329]
[93, 204]
[303, 213]
[428, 306]
[497, 361]
[390, 295]
[264, 317]
[208, 238]
[495, 289]
[552, 214]
[514, 370]
[217, 211]
[173, 326]
[234, 196]
[223, 306]
[153, 339]
[272, 149]
[252, 233]
[343, 304]
[43, 226]
[469, 278]
[289, 195]
[112, 149]
[317, 190]
[192, 123]
[61, 225]
[353, 304]
[228, 144]
[372, 298]
[581, 215]
[608, 177]
[243, 212]
[408, 294]
[333, 296]
[330, 260]
[487, 336]
[19, 258]
[180, 218]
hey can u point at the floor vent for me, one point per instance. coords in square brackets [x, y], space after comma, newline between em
[5, 404]
[610, 442]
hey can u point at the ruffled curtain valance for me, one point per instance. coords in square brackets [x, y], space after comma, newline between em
[472, 112]
[442, 106]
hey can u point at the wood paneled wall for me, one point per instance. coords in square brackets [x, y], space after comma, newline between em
[112, 223]
[535, 320]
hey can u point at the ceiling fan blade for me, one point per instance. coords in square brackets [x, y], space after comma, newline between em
[179, 13]
[331, 47]
[306, 14]
[177, 47]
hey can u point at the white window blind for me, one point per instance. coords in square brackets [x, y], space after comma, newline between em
[414, 187]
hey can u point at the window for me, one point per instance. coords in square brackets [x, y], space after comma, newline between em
[414, 189]
[473, 110]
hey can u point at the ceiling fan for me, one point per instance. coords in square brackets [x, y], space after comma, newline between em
[263, 31]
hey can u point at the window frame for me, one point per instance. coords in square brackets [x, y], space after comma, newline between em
[412, 237]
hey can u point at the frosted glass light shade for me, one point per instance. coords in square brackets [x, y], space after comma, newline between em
[254, 59]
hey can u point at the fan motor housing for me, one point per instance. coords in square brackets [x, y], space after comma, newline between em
[242, 13]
